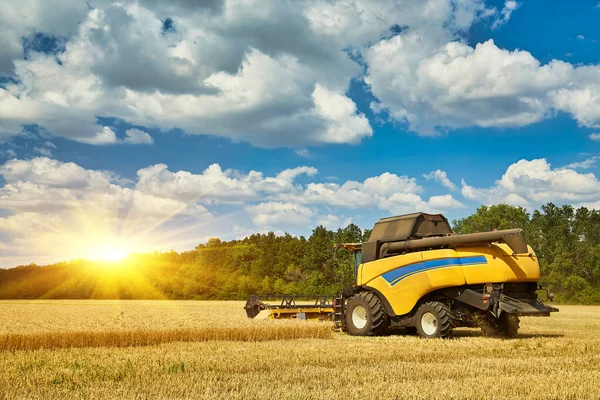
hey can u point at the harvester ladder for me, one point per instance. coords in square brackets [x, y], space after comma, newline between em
[339, 304]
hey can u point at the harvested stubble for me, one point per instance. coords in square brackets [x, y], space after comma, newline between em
[249, 333]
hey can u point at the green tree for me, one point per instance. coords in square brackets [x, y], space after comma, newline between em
[500, 216]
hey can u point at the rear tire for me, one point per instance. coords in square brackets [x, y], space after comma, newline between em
[507, 326]
[365, 315]
[434, 320]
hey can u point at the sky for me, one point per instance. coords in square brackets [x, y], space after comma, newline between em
[145, 125]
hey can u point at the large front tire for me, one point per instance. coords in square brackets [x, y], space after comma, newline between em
[434, 320]
[365, 315]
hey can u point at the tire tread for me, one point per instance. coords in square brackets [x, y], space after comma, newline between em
[446, 319]
[379, 318]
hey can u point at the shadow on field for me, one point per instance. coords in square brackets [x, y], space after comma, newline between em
[477, 333]
[467, 333]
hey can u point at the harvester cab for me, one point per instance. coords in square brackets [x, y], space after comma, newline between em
[415, 273]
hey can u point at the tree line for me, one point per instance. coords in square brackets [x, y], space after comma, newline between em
[566, 240]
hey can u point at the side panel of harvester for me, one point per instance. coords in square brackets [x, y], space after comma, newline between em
[404, 279]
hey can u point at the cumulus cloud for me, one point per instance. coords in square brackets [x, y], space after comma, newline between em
[216, 185]
[585, 164]
[594, 136]
[53, 205]
[304, 153]
[444, 202]
[44, 151]
[278, 214]
[440, 177]
[53, 173]
[333, 222]
[455, 85]
[345, 125]
[136, 136]
[284, 78]
[102, 137]
[531, 183]
[60, 210]
[279, 83]
[10, 153]
[505, 13]
[389, 192]
[24, 18]
[581, 99]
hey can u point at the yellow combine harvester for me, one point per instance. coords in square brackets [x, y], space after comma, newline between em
[414, 273]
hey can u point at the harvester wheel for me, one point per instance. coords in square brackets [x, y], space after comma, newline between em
[507, 326]
[365, 315]
[434, 320]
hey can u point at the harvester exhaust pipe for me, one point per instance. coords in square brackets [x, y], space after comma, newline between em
[514, 238]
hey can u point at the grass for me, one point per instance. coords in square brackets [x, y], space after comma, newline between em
[553, 358]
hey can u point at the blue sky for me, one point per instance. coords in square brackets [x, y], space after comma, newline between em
[119, 135]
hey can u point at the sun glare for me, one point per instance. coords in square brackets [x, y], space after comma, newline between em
[112, 254]
[108, 251]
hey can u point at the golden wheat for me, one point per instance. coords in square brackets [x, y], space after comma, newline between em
[56, 340]
[553, 358]
[109, 315]
[31, 325]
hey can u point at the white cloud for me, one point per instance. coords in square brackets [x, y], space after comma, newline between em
[24, 18]
[103, 137]
[106, 136]
[284, 78]
[62, 211]
[535, 182]
[505, 13]
[53, 203]
[56, 174]
[434, 87]
[10, 153]
[304, 153]
[136, 136]
[216, 185]
[278, 214]
[585, 164]
[444, 202]
[440, 177]
[345, 125]
[50, 197]
[594, 136]
[582, 100]
[388, 192]
[580, 37]
[278, 83]
[44, 151]
[333, 222]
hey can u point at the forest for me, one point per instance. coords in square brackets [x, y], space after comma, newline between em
[566, 241]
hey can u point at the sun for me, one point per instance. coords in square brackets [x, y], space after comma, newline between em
[112, 254]
[108, 250]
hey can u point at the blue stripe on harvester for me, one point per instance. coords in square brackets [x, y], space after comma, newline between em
[396, 275]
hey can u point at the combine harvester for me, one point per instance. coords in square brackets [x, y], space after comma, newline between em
[415, 273]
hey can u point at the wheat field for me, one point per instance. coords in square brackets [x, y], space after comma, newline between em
[232, 357]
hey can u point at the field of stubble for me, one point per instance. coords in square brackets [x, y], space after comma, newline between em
[210, 350]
